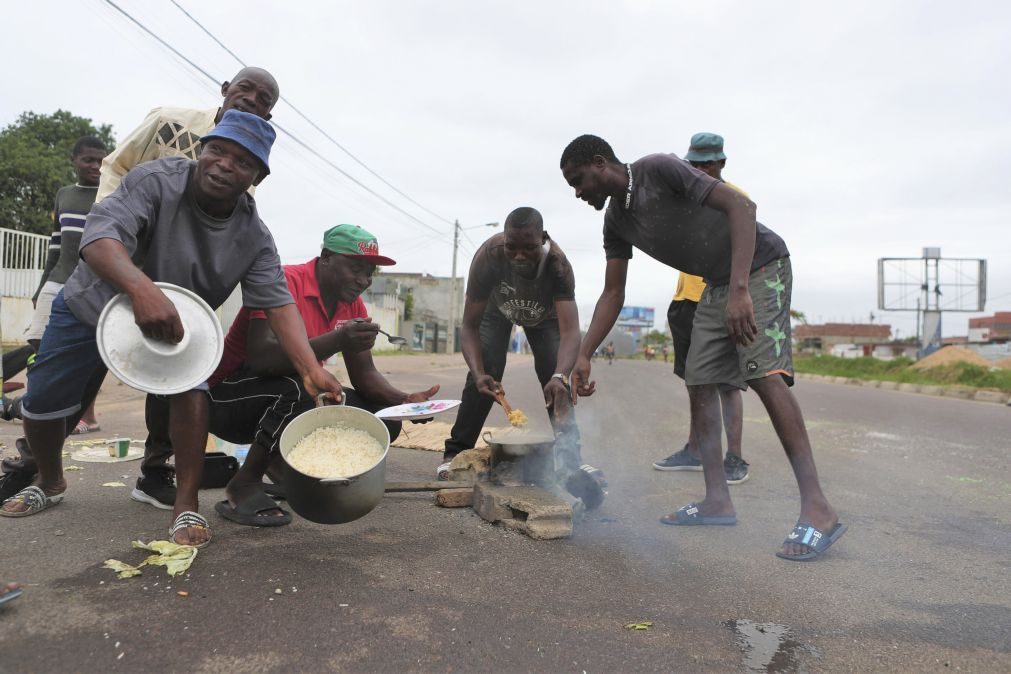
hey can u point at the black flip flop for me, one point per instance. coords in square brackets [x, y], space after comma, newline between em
[248, 512]
[276, 491]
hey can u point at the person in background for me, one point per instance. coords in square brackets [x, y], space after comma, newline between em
[705, 153]
[70, 209]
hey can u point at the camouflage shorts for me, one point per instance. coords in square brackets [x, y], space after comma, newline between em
[715, 359]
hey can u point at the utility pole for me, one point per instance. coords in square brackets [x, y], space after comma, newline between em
[451, 328]
[451, 331]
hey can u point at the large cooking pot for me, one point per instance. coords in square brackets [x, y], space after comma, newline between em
[521, 457]
[340, 499]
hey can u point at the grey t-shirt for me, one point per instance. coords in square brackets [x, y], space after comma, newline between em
[667, 221]
[171, 239]
[521, 300]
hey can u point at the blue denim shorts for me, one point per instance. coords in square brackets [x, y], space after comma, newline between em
[68, 361]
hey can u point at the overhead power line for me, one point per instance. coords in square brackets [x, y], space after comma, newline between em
[313, 124]
[280, 128]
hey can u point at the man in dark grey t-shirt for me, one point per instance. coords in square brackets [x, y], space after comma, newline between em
[522, 277]
[185, 222]
[696, 224]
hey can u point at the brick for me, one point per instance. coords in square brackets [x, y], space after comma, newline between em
[530, 510]
[470, 464]
[455, 498]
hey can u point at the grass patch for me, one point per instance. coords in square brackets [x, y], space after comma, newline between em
[901, 370]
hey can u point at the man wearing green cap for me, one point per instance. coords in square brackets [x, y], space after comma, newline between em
[254, 394]
[173, 220]
[706, 154]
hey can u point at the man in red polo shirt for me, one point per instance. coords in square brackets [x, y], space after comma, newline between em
[254, 393]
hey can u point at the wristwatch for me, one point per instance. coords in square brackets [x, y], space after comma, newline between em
[564, 378]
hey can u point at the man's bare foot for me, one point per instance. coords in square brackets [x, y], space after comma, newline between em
[195, 534]
[714, 508]
[54, 489]
[821, 516]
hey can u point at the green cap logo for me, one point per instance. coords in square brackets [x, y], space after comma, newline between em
[355, 242]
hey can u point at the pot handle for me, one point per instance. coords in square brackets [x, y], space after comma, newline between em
[339, 481]
[486, 436]
[324, 399]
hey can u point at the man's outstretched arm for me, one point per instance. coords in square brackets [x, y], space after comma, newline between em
[604, 315]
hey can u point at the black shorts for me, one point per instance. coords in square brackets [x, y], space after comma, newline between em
[680, 318]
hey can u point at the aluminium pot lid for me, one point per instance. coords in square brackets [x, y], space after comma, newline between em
[154, 366]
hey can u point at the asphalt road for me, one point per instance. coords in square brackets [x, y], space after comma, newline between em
[919, 583]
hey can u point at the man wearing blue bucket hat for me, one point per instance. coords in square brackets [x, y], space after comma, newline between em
[189, 223]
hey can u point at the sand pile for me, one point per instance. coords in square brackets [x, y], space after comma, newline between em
[949, 355]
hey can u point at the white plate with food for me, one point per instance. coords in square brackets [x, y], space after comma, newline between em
[416, 411]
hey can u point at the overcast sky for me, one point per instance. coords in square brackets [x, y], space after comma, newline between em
[861, 129]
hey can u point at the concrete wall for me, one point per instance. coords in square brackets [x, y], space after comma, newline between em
[15, 317]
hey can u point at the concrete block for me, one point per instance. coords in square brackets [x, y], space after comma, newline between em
[529, 510]
[455, 498]
[959, 392]
[909, 388]
[470, 464]
[870, 383]
[991, 397]
[840, 380]
[889, 385]
[931, 390]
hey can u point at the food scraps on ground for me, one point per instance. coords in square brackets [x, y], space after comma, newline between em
[72, 469]
[113, 484]
[183, 593]
[644, 625]
[174, 557]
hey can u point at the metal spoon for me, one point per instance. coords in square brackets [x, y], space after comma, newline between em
[393, 340]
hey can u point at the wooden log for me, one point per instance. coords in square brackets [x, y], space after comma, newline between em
[425, 486]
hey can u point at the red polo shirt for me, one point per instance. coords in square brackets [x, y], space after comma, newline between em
[304, 288]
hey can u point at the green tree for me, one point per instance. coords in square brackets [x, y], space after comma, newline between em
[656, 338]
[798, 316]
[35, 163]
[409, 305]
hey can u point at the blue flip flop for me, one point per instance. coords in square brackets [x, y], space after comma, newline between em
[10, 595]
[690, 515]
[814, 538]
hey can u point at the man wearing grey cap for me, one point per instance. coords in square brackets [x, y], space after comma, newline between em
[190, 223]
[706, 154]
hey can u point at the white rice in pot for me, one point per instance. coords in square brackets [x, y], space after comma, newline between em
[335, 451]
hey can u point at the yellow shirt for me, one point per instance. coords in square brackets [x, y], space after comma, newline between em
[690, 287]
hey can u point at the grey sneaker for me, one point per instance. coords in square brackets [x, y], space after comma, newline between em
[680, 460]
[736, 469]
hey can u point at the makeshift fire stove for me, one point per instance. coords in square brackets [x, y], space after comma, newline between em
[526, 489]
